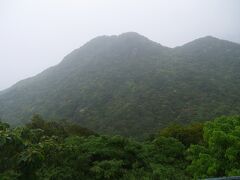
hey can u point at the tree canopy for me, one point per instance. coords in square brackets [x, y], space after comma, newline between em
[64, 151]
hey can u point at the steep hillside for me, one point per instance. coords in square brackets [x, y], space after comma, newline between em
[130, 85]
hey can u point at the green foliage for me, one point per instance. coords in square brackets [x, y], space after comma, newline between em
[62, 128]
[188, 134]
[34, 152]
[4, 126]
[220, 153]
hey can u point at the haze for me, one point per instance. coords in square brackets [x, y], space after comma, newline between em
[35, 35]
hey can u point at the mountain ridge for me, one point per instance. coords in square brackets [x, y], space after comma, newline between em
[117, 36]
[113, 83]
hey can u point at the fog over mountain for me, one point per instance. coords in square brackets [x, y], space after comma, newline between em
[130, 85]
[35, 35]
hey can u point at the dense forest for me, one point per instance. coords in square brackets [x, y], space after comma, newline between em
[115, 82]
[62, 150]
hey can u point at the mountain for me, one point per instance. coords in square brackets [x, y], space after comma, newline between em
[130, 85]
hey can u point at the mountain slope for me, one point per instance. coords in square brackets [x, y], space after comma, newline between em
[130, 85]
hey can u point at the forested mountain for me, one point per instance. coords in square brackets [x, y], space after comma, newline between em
[130, 85]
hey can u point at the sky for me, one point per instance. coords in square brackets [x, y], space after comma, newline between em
[37, 34]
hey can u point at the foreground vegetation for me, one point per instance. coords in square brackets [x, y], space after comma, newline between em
[62, 150]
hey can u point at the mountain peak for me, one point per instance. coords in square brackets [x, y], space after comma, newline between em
[209, 37]
[127, 36]
[131, 35]
[207, 42]
[205, 39]
[127, 40]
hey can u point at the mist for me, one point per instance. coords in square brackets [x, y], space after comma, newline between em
[35, 35]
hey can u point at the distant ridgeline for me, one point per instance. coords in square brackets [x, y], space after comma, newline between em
[132, 86]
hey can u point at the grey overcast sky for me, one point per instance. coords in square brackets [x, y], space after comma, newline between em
[36, 34]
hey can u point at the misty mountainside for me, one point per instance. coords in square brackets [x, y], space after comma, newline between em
[130, 85]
